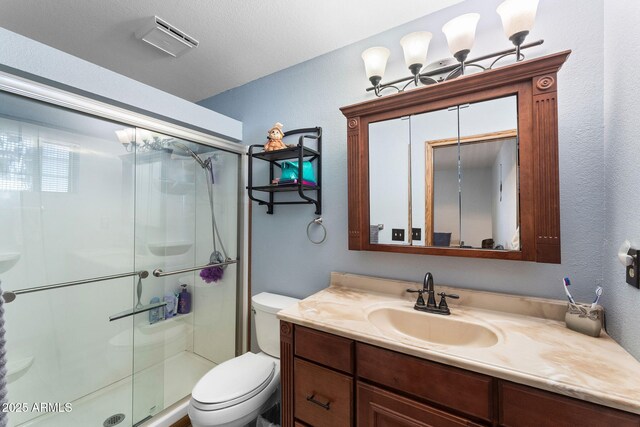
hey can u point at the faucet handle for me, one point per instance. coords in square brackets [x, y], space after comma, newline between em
[443, 301]
[454, 296]
[420, 300]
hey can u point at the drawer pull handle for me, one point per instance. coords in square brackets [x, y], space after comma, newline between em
[312, 399]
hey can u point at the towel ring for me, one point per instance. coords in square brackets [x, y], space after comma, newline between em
[317, 221]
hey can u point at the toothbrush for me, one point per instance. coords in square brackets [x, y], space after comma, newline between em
[567, 283]
[598, 294]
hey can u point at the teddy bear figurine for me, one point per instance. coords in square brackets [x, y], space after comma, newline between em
[275, 136]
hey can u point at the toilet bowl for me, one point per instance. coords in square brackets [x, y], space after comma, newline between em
[235, 392]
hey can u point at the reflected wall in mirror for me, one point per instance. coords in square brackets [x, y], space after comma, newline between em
[477, 205]
[389, 183]
[434, 125]
[489, 171]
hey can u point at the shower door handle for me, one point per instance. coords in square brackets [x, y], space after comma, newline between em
[158, 272]
[9, 296]
[136, 310]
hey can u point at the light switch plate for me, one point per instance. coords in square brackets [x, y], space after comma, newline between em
[633, 273]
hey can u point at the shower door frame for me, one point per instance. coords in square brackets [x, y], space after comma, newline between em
[66, 97]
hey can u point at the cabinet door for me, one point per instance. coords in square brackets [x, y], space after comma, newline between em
[389, 182]
[380, 408]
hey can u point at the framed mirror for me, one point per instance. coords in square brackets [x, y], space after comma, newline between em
[467, 167]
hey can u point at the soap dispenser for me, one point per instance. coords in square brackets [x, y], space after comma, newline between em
[184, 301]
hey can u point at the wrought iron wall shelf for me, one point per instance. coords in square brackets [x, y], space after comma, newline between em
[299, 152]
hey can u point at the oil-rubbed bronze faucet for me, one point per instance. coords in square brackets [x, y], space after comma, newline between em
[430, 306]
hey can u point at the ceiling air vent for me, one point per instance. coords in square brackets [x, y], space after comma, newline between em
[159, 33]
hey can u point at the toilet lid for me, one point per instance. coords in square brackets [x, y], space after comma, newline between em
[234, 381]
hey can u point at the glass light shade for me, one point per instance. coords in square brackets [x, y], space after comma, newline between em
[461, 32]
[126, 136]
[415, 47]
[517, 15]
[143, 136]
[375, 61]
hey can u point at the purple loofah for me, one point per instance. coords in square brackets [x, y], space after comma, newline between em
[211, 274]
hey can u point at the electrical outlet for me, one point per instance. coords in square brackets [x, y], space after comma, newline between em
[416, 234]
[397, 234]
[633, 273]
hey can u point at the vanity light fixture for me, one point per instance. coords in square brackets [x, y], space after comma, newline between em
[127, 138]
[143, 141]
[518, 17]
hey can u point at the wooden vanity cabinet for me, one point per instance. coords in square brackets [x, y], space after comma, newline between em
[334, 381]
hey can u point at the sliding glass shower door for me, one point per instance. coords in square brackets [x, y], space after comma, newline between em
[66, 215]
[178, 183]
[101, 223]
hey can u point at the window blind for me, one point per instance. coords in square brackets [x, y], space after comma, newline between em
[26, 165]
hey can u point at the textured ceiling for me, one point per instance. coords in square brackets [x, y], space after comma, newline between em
[240, 40]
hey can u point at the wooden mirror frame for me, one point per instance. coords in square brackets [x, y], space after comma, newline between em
[535, 83]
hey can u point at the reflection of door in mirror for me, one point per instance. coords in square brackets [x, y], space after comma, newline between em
[389, 169]
[482, 164]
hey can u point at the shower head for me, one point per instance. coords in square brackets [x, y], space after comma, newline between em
[187, 150]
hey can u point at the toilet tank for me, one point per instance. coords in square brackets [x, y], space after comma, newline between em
[265, 306]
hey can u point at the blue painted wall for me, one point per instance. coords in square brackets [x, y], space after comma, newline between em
[622, 163]
[309, 94]
[25, 57]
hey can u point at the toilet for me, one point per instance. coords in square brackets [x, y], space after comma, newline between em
[235, 392]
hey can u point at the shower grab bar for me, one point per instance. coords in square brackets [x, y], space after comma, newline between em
[158, 272]
[136, 310]
[9, 296]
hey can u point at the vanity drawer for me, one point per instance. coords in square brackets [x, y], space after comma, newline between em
[322, 397]
[466, 392]
[326, 349]
[522, 406]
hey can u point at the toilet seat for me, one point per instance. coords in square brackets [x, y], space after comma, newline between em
[233, 382]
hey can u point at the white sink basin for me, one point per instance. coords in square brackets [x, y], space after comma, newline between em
[431, 328]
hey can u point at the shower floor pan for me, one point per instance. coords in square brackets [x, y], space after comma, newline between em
[181, 372]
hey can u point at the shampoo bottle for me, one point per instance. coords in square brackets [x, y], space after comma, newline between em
[184, 301]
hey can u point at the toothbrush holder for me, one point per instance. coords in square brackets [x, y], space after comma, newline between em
[584, 319]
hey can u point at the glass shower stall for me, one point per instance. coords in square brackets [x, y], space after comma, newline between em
[102, 224]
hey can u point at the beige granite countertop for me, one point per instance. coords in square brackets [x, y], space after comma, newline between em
[534, 347]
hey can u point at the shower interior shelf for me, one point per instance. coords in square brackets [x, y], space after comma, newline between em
[299, 152]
